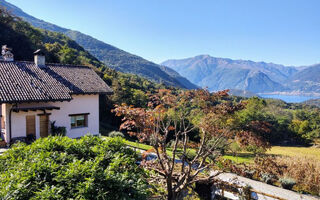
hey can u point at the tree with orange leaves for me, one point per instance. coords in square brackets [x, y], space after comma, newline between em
[170, 118]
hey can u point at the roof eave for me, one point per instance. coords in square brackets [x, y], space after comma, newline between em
[93, 93]
[35, 101]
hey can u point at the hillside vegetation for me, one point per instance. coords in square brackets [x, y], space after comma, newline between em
[290, 123]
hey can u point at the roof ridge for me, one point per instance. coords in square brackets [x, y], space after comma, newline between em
[52, 64]
[65, 65]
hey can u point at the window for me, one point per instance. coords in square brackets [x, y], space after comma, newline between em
[79, 120]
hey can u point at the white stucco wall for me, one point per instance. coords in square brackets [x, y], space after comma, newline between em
[5, 108]
[79, 104]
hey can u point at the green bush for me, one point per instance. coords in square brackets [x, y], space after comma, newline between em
[116, 134]
[57, 130]
[59, 167]
[255, 149]
[287, 183]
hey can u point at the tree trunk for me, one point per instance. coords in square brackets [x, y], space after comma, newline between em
[171, 193]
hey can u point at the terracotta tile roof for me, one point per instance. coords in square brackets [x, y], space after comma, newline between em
[79, 79]
[26, 82]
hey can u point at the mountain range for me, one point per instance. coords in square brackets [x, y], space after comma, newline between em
[258, 77]
[112, 56]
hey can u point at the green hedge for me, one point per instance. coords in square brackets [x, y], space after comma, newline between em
[62, 168]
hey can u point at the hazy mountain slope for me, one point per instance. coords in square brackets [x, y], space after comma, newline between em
[223, 73]
[312, 102]
[178, 77]
[110, 55]
[306, 80]
[259, 82]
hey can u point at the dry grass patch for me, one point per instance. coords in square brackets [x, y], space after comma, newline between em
[310, 152]
[305, 171]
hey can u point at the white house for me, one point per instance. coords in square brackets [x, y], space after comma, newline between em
[33, 94]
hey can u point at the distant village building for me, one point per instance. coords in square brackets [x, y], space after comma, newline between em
[34, 94]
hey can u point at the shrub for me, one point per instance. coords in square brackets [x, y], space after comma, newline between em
[255, 149]
[2, 143]
[267, 178]
[59, 167]
[116, 134]
[269, 165]
[30, 138]
[249, 173]
[304, 170]
[57, 130]
[287, 183]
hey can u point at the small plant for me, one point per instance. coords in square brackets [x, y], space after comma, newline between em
[255, 149]
[287, 183]
[245, 193]
[116, 134]
[267, 178]
[57, 130]
[249, 173]
[30, 138]
[2, 143]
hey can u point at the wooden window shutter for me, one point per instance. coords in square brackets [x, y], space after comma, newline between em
[31, 125]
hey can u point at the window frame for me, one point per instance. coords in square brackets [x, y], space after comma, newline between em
[74, 116]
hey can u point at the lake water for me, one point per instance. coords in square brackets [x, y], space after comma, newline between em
[289, 98]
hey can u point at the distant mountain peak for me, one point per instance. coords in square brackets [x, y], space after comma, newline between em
[224, 73]
[259, 77]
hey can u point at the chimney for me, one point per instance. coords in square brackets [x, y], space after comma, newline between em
[39, 58]
[6, 53]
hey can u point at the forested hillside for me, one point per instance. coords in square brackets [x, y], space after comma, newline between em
[113, 57]
[290, 123]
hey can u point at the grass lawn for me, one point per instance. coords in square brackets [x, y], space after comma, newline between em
[241, 158]
[138, 145]
[247, 157]
[310, 152]
[134, 144]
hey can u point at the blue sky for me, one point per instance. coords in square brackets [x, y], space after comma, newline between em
[279, 31]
